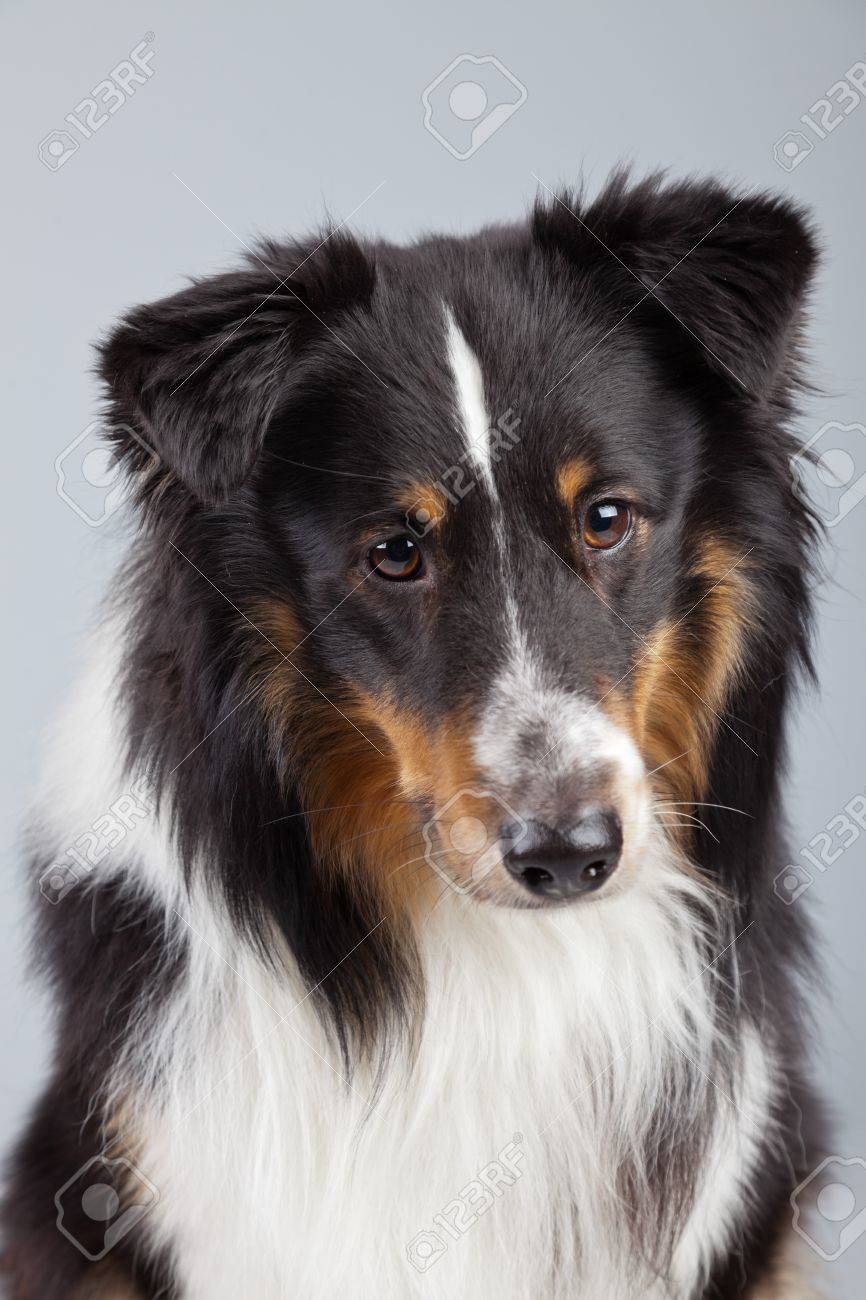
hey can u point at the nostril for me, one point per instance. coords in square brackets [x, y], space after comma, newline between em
[535, 877]
[595, 869]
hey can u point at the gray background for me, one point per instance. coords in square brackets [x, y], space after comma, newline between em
[272, 114]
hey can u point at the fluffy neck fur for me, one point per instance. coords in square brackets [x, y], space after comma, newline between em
[593, 1034]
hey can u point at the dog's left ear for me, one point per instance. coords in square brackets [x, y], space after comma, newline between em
[732, 269]
[196, 378]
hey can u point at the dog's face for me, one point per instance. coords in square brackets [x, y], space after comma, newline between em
[497, 520]
[487, 546]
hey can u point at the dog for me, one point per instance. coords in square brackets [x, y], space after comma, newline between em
[428, 762]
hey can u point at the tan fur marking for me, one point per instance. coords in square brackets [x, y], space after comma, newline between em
[351, 792]
[680, 685]
[424, 497]
[367, 770]
[439, 768]
[357, 796]
[106, 1282]
[791, 1272]
[572, 478]
[388, 794]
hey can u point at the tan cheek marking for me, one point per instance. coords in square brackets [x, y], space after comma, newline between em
[726, 613]
[107, 1282]
[669, 717]
[572, 478]
[421, 772]
[365, 822]
[672, 700]
[365, 813]
[356, 807]
[439, 767]
[462, 800]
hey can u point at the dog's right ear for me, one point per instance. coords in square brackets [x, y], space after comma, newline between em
[724, 274]
[196, 378]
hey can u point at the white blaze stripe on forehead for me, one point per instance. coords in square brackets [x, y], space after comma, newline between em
[469, 387]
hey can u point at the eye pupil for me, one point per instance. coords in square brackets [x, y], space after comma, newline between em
[606, 524]
[603, 517]
[399, 549]
[397, 559]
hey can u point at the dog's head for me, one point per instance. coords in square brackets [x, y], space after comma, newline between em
[498, 531]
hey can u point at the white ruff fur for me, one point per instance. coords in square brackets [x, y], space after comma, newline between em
[580, 1030]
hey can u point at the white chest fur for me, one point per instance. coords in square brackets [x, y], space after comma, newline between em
[551, 1046]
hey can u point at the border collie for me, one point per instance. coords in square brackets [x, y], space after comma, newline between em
[428, 769]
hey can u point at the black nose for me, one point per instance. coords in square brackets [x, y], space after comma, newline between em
[563, 864]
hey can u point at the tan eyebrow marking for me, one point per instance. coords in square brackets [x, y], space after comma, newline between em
[425, 503]
[572, 478]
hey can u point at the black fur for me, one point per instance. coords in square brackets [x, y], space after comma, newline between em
[109, 965]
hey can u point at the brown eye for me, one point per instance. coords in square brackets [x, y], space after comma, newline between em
[398, 559]
[606, 523]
